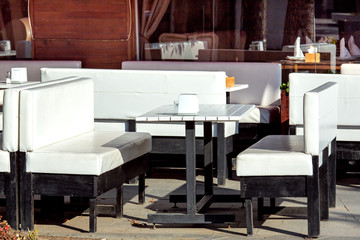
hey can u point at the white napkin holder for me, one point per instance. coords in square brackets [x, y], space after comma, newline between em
[18, 75]
[188, 104]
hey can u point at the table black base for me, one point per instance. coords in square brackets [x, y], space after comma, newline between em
[222, 198]
[178, 218]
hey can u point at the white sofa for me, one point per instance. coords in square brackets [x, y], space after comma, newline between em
[122, 95]
[62, 154]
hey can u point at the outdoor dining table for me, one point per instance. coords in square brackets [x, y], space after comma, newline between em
[208, 114]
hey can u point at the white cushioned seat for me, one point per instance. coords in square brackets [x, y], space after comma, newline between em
[262, 114]
[278, 155]
[90, 153]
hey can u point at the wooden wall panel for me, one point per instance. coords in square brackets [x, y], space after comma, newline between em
[93, 54]
[99, 33]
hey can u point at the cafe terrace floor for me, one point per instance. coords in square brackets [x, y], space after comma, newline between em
[289, 223]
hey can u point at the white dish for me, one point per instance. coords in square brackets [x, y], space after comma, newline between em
[295, 58]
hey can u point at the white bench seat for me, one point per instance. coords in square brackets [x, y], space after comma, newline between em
[59, 148]
[90, 153]
[292, 165]
[278, 155]
[262, 114]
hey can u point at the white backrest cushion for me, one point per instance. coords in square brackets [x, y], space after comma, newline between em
[264, 79]
[348, 96]
[350, 68]
[55, 112]
[320, 117]
[11, 113]
[126, 94]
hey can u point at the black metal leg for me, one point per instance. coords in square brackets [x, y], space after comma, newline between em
[332, 175]
[190, 168]
[208, 155]
[119, 202]
[313, 203]
[249, 216]
[12, 193]
[141, 188]
[324, 187]
[260, 209]
[26, 196]
[221, 155]
[93, 214]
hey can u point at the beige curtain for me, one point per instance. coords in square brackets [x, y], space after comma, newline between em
[150, 20]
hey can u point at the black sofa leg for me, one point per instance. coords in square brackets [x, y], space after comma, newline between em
[260, 209]
[221, 155]
[27, 202]
[12, 193]
[332, 175]
[93, 214]
[141, 188]
[119, 202]
[324, 187]
[313, 205]
[249, 217]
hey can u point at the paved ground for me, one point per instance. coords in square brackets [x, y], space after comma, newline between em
[290, 223]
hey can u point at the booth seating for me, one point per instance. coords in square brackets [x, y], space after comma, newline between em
[123, 95]
[264, 80]
[291, 165]
[9, 157]
[33, 70]
[348, 136]
[62, 154]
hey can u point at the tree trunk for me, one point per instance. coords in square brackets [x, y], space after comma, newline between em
[299, 21]
[254, 20]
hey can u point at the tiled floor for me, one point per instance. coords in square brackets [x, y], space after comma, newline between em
[290, 223]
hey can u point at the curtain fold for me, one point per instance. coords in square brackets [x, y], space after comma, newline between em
[151, 20]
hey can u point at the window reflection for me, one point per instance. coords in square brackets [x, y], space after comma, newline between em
[246, 30]
[15, 32]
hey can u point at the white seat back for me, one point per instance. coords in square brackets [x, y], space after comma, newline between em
[54, 112]
[348, 97]
[264, 79]
[320, 117]
[126, 94]
[347, 68]
[11, 113]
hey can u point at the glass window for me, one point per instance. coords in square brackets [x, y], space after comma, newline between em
[15, 32]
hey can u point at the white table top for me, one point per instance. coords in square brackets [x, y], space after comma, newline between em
[237, 87]
[208, 112]
[4, 85]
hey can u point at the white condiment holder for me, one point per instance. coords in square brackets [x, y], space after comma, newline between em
[188, 104]
[18, 75]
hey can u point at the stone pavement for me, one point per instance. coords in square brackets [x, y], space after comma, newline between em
[289, 223]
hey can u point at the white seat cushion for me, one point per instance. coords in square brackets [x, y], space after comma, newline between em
[262, 114]
[278, 155]
[91, 153]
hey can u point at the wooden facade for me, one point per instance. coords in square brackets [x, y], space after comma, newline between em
[99, 33]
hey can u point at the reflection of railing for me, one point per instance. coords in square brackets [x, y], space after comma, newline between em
[186, 50]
